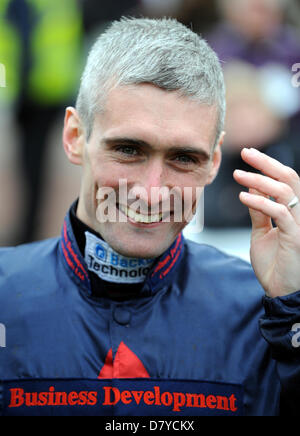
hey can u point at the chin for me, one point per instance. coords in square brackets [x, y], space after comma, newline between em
[143, 253]
[138, 243]
[140, 250]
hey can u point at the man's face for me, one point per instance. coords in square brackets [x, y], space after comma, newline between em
[148, 139]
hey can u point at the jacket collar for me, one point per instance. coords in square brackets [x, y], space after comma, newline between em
[159, 276]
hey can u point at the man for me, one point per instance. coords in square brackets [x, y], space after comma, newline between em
[121, 315]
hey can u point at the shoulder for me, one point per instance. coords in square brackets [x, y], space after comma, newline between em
[223, 275]
[27, 265]
[212, 255]
[21, 255]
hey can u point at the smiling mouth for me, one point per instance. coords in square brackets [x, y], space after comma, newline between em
[139, 217]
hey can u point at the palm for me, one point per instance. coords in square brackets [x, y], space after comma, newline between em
[274, 261]
[275, 252]
[264, 254]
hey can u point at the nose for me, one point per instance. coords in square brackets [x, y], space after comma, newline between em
[151, 186]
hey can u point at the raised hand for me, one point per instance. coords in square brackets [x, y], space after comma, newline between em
[273, 195]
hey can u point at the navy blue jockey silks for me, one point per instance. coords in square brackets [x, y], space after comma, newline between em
[198, 338]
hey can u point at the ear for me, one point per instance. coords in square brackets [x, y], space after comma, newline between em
[216, 159]
[73, 136]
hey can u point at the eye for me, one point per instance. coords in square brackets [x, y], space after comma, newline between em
[185, 160]
[127, 150]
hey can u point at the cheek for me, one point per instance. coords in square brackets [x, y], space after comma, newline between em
[109, 179]
[191, 195]
[191, 187]
[192, 200]
[184, 202]
[102, 172]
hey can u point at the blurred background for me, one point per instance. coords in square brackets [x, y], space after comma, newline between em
[43, 46]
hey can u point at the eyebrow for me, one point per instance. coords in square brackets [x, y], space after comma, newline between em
[138, 142]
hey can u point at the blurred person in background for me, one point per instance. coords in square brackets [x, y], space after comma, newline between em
[255, 31]
[256, 117]
[262, 33]
[40, 46]
[258, 50]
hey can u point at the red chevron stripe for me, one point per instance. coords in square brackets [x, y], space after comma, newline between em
[125, 365]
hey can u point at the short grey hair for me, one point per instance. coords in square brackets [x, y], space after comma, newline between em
[162, 52]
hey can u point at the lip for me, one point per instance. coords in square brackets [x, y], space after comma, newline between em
[141, 224]
[144, 225]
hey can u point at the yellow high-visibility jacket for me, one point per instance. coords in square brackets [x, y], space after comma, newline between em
[55, 50]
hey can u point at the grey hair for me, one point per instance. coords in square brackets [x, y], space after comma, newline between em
[162, 52]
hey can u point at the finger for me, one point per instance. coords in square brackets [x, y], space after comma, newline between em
[261, 223]
[281, 192]
[276, 211]
[272, 168]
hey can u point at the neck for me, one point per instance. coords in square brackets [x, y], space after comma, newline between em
[111, 275]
